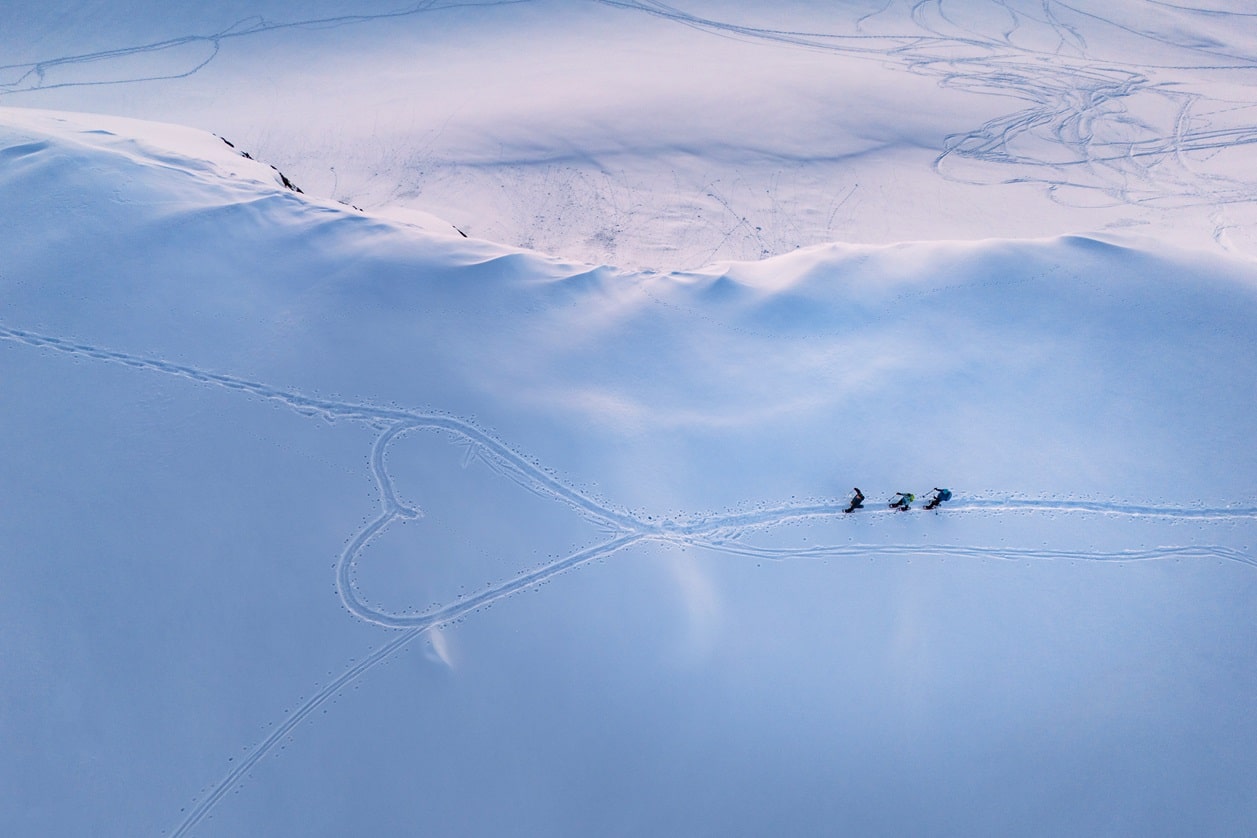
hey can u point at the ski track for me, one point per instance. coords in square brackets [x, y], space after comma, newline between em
[721, 533]
[1084, 107]
[32, 76]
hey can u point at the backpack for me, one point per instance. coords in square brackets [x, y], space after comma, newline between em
[944, 494]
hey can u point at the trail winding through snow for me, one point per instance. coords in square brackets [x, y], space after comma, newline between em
[721, 533]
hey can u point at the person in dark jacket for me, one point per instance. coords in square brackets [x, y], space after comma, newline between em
[857, 500]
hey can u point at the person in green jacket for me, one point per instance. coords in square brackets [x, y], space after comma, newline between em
[903, 502]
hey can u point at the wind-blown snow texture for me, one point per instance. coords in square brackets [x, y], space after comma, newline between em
[321, 521]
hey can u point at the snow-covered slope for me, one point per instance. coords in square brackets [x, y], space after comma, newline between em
[320, 523]
[642, 133]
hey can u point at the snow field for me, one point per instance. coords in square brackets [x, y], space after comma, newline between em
[324, 521]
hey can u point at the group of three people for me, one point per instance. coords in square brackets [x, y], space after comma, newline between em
[903, 500]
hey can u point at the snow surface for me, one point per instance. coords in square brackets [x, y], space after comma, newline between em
[324, 521]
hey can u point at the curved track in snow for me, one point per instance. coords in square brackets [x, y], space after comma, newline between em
[721, 532]
[191, 53]
[1085, 126]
